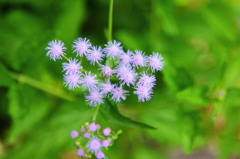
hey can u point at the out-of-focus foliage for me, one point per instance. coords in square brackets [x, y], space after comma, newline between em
[195, 105]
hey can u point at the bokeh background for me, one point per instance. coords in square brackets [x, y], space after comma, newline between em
[195, 107]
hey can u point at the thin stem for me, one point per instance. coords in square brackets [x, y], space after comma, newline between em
[109, 39]
[110, 20]
[81, 60]
[42, 86]
[66, 57]
[110, 17]
[95, 113]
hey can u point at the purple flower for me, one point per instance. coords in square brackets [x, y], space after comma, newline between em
[106, 131]
[128, 77]
[94, 98]
[113, 49]
[106, 87]
[155, 62]
[98, 126]
[138, 59]
[146, 80]
[86, 134]
[55, 49]
[94, 145]
[72, 67]
[95, 55]
[143, 93]
[88, 81]
[118, 93]
[106, 70]
[122, 69]
[125, 58]
[74, 134]
[99, 155]
[92, 127]
[81, 46]
[80, 152]
[83, 129]
[72, 80]
[105, 143]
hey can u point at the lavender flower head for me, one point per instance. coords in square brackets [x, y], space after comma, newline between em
[72, 80]
[143, 93]
[113, 49]
[94, 145]
[87, 135]
[83, 129]
[92, 127]
[129, 77]
[95, 55]
[106, 131]
[105, 143]
[146, 80]
[81, 46]
[126, 58]
[74, 134]
[100, 155]
[80, 152]
[138, 59]
[155, 62]
[118, 94]
[106, 70]
[89, 81]
[55, 49]
[98, 126]
[106, 87]
[72, 67]
[94, 98]
[122, 69]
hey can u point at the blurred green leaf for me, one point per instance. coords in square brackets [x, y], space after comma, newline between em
[51, 135]
[26, 110]
[6, 79]
[232, 97]
[221, 23]
[231, 72]
[196, 95]
[164, 11]
[18, 30]
[70, 20]
[110, 113]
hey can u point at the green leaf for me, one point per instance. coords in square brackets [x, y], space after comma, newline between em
[51, 135]
[6, 80]
[111, 113]
[165, 120]
[17, 37]
[164, 11]
[27, 107]
[72, 16]
[194, 95]
[220, 22]
[232, 97]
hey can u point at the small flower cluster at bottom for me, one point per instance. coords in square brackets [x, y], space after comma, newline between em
[91, 140]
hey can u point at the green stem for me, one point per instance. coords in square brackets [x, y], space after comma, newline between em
[109, 39]
[110, 17]
[95, 113]
[66, 57]
[42, 86]
[110, 20]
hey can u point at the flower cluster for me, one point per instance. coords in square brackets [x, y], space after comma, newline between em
[90, 140]
[118, 70]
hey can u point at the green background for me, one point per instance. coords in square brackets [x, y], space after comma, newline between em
[195, 107]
